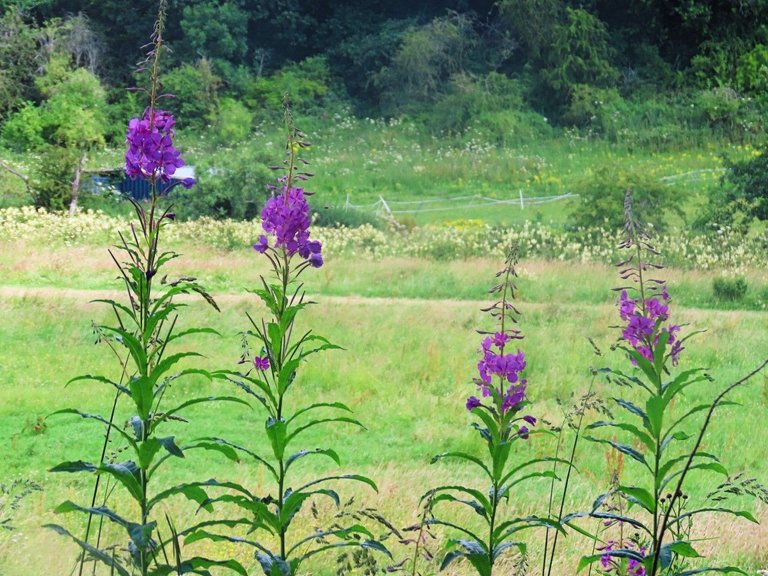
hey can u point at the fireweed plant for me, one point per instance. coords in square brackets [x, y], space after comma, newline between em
[144, 339]
[653, 514]
[502, 420]
[281, 348]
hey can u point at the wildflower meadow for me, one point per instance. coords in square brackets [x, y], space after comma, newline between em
[271, 396]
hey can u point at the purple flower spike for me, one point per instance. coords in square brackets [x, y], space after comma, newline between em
[151, 154]
[523, 432]
[261, 363]
[287, 217]
[644, 324]
[262, 245]
[472, 403]
[530, 419]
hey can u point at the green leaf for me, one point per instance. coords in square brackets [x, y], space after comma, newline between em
[147, 451]
[135, 348]
[355, 477]
[633, 409]
[640, 496]
[230, 451]
[476, 554]
[287, 374]
[142, 394]
[622, 553]
[490, 423]
[317, 451]
[304, 427]
[127, 474]
[198, 535]
[192, 565]
[623, 448]
[532, 462]
[510, 527]
[682, 548]
[275, 338]
[659, 352]
[189, 331]
[76, 466]
[645, 365]
[169, 362]
[655, 407]
[102, 379]
[482, 501]
[294, 501]
[464, 456]
[670, 464]
[521, 547]
[97, 418]
[236, 377]
[316, 405]
[277, 434]
[632, 429]
[620, 518]
[173, 411]
[682, 381]
[739, 513]
[725, 570]
[92, 551]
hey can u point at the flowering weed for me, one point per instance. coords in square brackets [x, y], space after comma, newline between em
[663, 449]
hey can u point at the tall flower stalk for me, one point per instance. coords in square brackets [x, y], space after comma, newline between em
[500, 408]
[665, 448]
[280, 350]
[144, 337]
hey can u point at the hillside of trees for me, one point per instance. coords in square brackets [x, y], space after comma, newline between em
[643, 72]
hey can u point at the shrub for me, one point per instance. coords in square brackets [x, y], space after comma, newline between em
[728, 113]
[601, 199]
[23, 131]
[335, 217]
[730, 289]
[593, 107]
[195, 90]
[52, 178]
[233, 121]
[232, 183]
[306, 84]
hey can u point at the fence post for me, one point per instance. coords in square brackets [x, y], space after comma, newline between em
[522, 204]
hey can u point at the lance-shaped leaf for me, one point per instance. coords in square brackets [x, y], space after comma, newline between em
[623, 448]
[631, 428]
[482, 505]
[102, 379]
[640, 496]
[92, 551]
[466, 457]
[316, 405]
[97, 418]
[622, 553]
[327, 452]
[311, 424]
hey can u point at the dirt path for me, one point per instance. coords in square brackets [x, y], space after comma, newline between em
[702, 316]
[88, 295]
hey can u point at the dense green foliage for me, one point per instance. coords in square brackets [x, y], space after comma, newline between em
[645, 75]
[398, 57]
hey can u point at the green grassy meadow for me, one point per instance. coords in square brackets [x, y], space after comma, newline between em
[408, 327]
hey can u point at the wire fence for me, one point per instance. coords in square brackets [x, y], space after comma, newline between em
[386, 207]
[391, 207]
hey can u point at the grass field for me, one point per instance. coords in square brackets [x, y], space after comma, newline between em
[408, 327]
